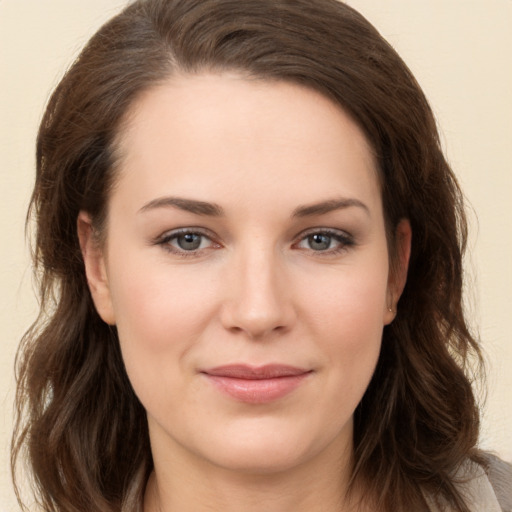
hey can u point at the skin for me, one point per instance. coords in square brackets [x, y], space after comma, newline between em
[259, 288]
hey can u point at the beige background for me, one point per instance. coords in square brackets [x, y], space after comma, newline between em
[458, 49]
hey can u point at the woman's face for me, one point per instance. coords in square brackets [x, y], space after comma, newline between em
[246, 269]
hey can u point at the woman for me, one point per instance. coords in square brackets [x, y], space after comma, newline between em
[213, 343]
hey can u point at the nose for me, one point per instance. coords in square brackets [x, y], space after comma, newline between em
[258, 296]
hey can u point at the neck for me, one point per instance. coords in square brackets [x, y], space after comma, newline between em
[313, 487]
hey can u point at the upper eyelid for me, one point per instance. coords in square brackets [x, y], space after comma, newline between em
[325, 230]
[208, 233]
[186, 230]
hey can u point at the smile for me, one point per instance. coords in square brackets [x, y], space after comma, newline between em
[256, 385]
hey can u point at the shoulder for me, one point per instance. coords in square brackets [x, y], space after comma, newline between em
[499, 474]
[484, 486]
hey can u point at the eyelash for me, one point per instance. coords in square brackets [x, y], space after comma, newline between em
[166, 239]
[344, 240]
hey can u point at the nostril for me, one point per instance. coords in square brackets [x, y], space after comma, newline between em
[258, 302]
[254, 326]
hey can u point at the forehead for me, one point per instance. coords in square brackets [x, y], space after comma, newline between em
[193, 135]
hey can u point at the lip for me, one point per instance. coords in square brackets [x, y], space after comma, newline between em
[256, 384]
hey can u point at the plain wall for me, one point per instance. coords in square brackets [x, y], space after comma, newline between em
[458, 49]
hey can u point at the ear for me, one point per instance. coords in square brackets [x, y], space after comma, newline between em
[399, 267]
[95, 268]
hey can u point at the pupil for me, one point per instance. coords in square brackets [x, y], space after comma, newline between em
[190, 241]
[320, 242]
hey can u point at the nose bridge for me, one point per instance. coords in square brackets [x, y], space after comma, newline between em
[257, 303]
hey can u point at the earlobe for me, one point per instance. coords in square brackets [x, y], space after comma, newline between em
[399, 268]
[95, 268]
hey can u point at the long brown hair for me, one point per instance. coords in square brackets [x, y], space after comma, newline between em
[79, 422]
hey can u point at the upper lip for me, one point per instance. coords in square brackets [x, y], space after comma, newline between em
[243, 371]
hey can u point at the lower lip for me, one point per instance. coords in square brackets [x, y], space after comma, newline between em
[257, 391]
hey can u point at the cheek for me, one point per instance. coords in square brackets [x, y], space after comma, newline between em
[346, 314]
[156, 304]
[161, 313]
[349, 301]
[343, 315]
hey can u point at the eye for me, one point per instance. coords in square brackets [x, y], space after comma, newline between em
[319, 241]
[186, 241]
[189, 241]
[329, 241]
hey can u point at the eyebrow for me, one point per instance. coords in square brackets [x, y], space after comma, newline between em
[214, 210]
[331, 205]
[188, 205]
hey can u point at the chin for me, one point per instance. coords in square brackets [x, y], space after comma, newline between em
[263, 449]
[259, 459]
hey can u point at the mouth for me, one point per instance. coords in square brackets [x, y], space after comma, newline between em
[256, 384]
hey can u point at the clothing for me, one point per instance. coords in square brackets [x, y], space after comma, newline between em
[484, 490]
[500, 476]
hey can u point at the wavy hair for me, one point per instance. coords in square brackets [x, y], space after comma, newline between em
[79, 423]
